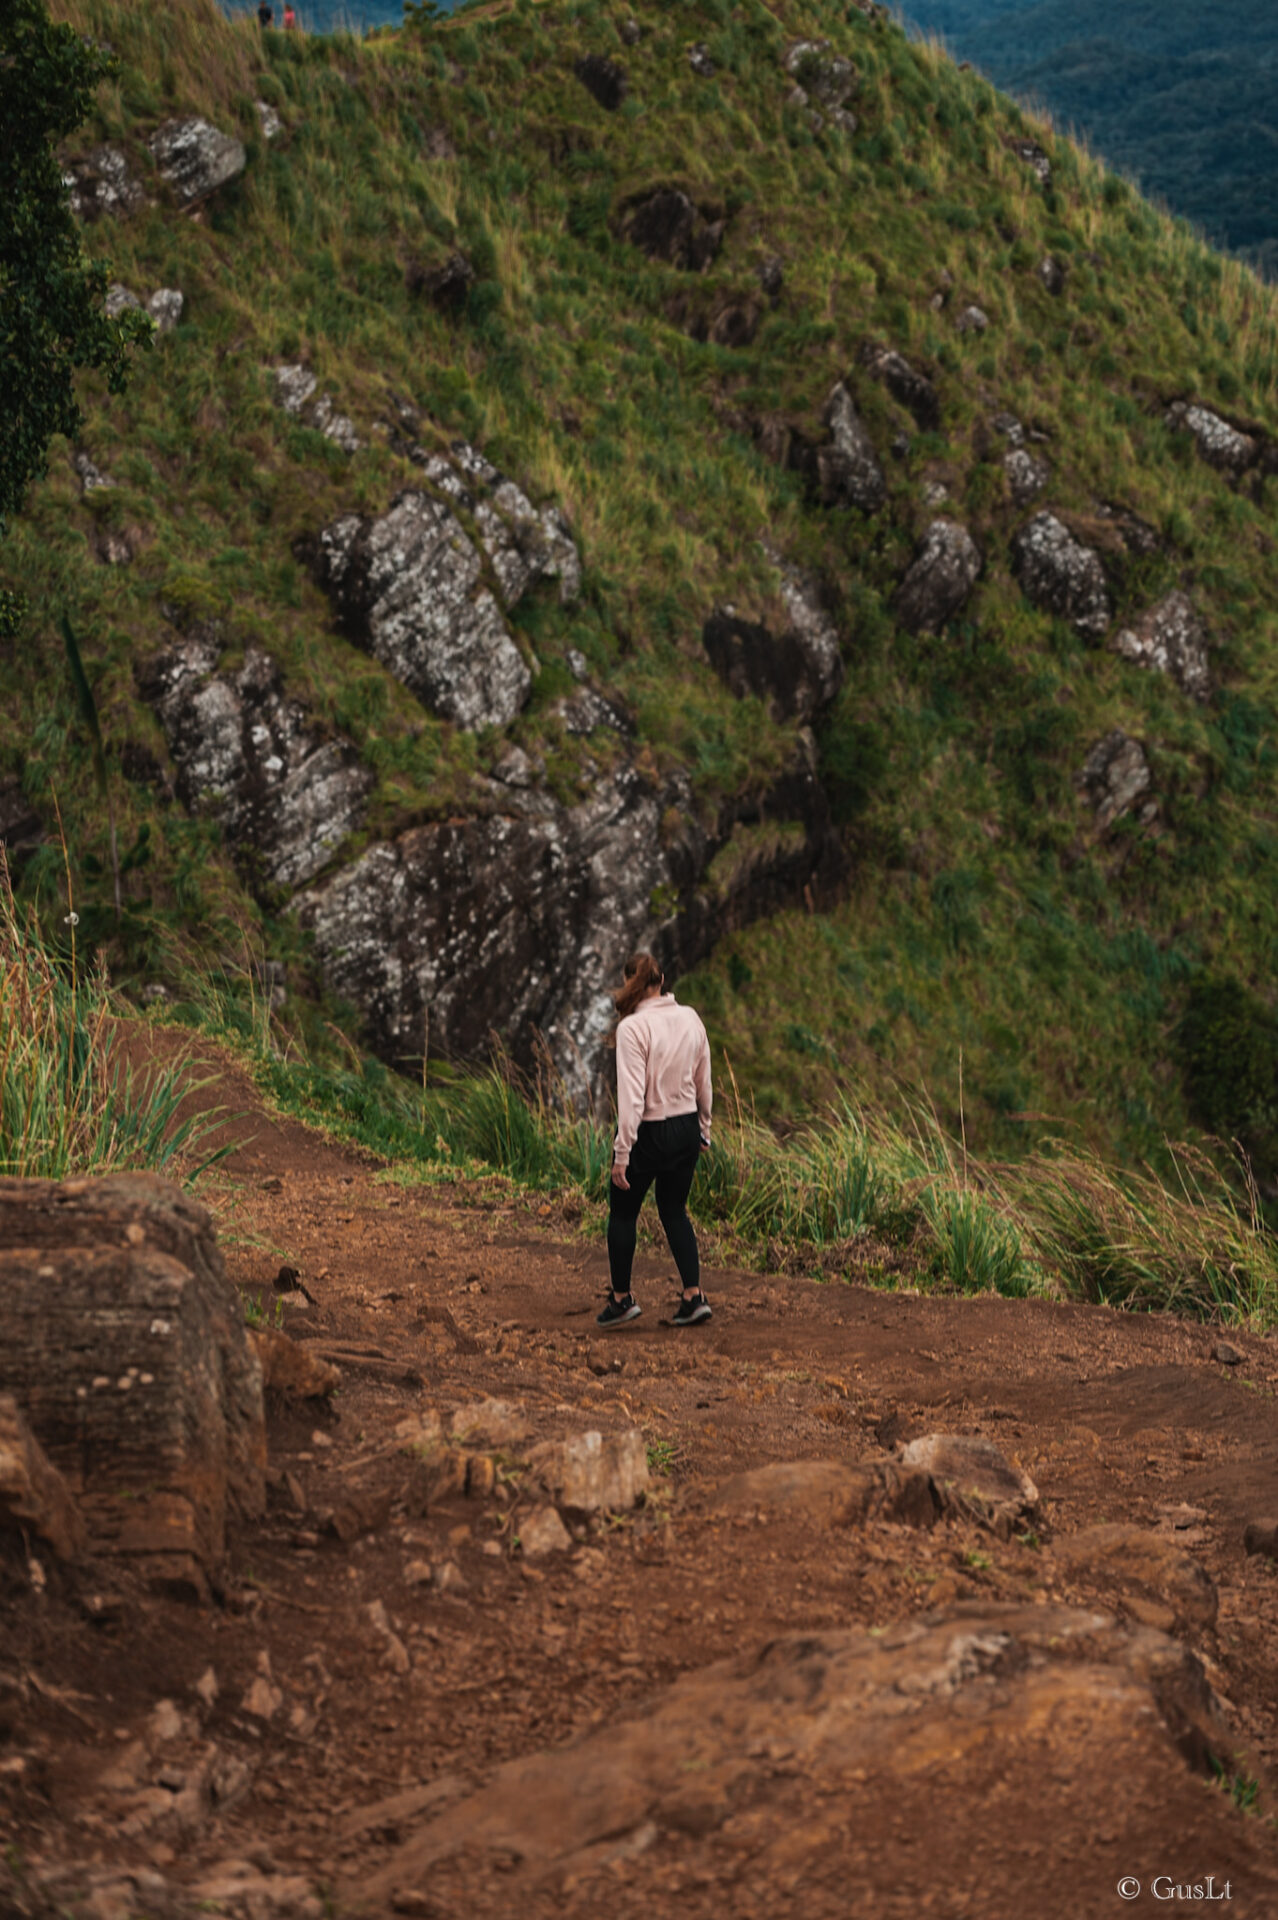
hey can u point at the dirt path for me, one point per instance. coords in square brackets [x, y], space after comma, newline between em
[428, 1296]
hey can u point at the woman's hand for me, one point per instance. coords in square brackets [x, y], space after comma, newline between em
[619, 1178]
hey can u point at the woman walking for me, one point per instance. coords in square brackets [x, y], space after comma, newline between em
[663, 1127]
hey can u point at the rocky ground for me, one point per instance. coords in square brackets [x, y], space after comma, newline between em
[887, 1685]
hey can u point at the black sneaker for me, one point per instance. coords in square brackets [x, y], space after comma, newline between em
[691, 1313]
[618, 1311]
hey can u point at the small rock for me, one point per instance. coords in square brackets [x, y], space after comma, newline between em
[418, 1573]
[972, 320]
[1052, 274]
[195, 157]
[1062, 576]
[542, 1532]
[1170, 638]
[263, 1698]
[449, 1578]
[481, 1476]
[942, 574]
[590, 1474]
[321, 1439]
[207, 1686]
[1219, 444]
[1026, 475]
[490, 1423]
[1032, 154]
[1227, 1354]
[445, 286]
[1116, 779]
[290, 1368]
[165, 1722]
[848, 469]
[974, 1477]
[667, 226]
[91, 476]
[700, 62]
[1261, 1536]
[102, 183]
[119, 299]
[165, 308]
[268, 120]
[604, 79]
[770, 273]
[631, 32]
[913, 389]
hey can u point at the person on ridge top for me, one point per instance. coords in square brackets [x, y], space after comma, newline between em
[663, 1128]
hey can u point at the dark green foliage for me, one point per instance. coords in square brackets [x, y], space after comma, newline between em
[1227, 1043]
[51, 316]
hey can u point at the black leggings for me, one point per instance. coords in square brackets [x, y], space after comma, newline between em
[665, 1151]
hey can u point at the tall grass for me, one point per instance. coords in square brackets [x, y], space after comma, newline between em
[69, 1103]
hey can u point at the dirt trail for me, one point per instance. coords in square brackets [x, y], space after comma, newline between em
[436, 1295]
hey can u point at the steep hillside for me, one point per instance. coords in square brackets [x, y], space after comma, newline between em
[628, 476]
[1180, 97]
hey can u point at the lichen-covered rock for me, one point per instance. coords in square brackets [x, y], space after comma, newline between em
[295, 391]
[825, 76]
[848, 467]
[285, 796]
[1062, 576]
[165, 308]
[408, 586]
[604, 79]
[666, 226]
[1221, 445]
[797, 671]
[944, 570]
[1027, 475]
[905, 383]
[1170, 638]
[195, 157]
[1116, 779]
[102, 183]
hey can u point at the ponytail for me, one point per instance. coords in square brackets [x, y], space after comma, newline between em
[641, 974]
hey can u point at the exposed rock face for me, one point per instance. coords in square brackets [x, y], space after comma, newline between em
[905, 383]
[1221, 445]
[294, 388]
[102, 183]
[604, 79]
[123, 1342]
[195, 158]
[519, 923]
[408, 587]
[1116, 779]
[445, 286]
[666, 226]
[943, 572]
[1062, 576]
[1170, 639]
[798, 671]
[1033, 156]
[1161, 1585]
[756, 1744]
[848, 468]
[34, 1498]
[286, 797]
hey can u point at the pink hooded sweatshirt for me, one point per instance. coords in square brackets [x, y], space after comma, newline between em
[663, 1069]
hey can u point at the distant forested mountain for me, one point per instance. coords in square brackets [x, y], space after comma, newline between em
[1179, 95]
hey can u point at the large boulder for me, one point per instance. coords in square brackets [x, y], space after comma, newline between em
[102, 183]
[285, 796]
[1170, 638]
[195, 157]
[786, 1761]
[1062, 576]
[665, 224]
[797, 671]
[1115, 779]
[848, 470]
[408, 586]
[945, 568]
[123, 1342]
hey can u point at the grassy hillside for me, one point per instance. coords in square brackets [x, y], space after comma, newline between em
[1178, 96]
[984, 919]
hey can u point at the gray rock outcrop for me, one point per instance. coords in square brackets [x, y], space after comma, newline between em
[1218, 443]
[295, 392]
[102, 183]
[1027, 475]
[1116, 779]
[972, 320]
[848, 467]
[944, 570]
[1062, 576]
[798, 671]
[665, 224]
[1170, 638]
[195, 158]
[408, 587]
[285, 797]
[905, 383]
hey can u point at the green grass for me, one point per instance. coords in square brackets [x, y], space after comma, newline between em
[980, 916]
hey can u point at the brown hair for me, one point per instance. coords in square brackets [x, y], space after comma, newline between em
[641, 974]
